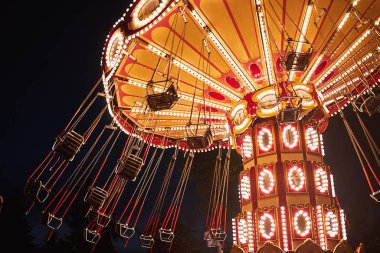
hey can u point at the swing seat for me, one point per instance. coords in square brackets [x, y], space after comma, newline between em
[124, 231]
[371, 104]
[164, 100]
[91, 236]
[376, 196]
[166, 235]
[146, 241]
[96, 217]
[210, 242]
[96, 197]
[36, 190]
[50, 220]
[200, 141]
[129, 167]
[291, 111]
[297, 61]
[67, 145]
[218, 234]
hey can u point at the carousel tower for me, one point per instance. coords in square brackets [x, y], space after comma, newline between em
[286, 190]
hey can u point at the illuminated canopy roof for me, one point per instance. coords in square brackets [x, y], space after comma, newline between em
[229, 52]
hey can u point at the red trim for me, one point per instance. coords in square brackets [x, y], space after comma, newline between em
[236, 28]
[311, 183]
[299, 19]
[323, 20]
[252, 171]
[283, 23]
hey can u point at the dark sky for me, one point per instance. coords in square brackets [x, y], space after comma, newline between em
[50, 61]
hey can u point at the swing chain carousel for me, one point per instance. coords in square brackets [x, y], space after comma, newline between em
[258, 76]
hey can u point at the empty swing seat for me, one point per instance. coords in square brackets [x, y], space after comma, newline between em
[124, 231]
[297, 61]
[291, 111]
[371, 104]
[96, 197]
[36, 190]
[129, 167]
[218, 234]
[91, 236]
[200, 141]
[376, 196]
[210, 242]
[96, 217]
[50, 220]
[164, 100]
[67, 145]
[146, 241]
[166, 235]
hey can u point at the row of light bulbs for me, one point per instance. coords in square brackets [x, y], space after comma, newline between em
[194, 72]
[227, 56]
[183, 95]
[344, 56]
[320, 228]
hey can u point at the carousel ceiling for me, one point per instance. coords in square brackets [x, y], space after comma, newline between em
[224, 56]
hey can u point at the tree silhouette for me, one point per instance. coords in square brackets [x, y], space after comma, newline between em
[75, 242]
[15, 229]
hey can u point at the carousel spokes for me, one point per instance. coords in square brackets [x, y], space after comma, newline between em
[161, 100]
[290, 108]
[51, 221]
[96, 197]
[124, 230]
[36, 190]
[146, 241]
[68, 144]
[91, 236]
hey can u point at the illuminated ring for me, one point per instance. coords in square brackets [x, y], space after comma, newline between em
[331, 222]
[312, 139]
[321, 180]
[300, 86]
[293, 130]
[292, 171]
[263, 188]
[138, 20]
[260, 139]
[306, 218]
[245, 188]
[243, 231]
[264, 93]
[240, 106]
[263, 219]
[238, 129]
[114, 48]
[247, 146]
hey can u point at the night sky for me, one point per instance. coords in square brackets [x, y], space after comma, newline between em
[50, 60]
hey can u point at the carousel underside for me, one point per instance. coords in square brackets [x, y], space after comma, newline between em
[220, 55]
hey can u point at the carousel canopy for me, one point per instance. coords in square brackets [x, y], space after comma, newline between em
[179, 68]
